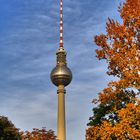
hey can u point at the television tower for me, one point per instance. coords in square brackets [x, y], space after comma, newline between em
[61, 76]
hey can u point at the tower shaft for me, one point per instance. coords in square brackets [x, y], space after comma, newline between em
[61, 125]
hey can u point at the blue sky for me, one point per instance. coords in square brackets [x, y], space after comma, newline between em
[29, 38]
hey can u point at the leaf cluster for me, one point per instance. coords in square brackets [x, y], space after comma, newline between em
[7, 130]
[117, 113]
[39, 134]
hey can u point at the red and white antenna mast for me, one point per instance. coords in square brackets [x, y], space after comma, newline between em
[61, 24]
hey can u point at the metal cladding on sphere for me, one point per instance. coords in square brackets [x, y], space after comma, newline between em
[61, 75]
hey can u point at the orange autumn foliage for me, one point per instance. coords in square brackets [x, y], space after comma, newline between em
[128, 127]
[118, 114]
[38, 134]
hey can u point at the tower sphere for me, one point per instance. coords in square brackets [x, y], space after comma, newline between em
[61, 75]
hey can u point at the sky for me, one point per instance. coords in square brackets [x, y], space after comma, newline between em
[29, 39]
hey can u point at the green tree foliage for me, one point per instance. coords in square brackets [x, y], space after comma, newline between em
[7, 130]
[107, 112]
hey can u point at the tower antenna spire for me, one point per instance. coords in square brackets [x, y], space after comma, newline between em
[61, 24]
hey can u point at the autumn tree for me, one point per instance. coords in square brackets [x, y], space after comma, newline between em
[39, 134]
[117, 115]
[7, 130]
